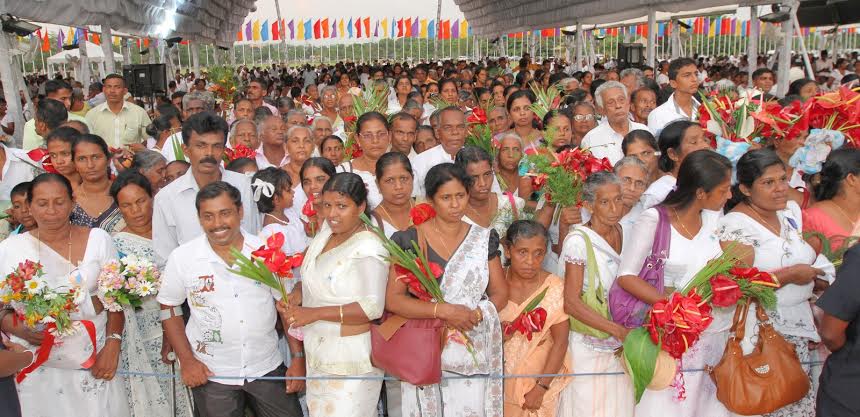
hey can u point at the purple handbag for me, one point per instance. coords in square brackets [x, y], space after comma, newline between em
[626, 309]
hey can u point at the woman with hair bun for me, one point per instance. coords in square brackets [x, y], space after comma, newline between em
[836, 214]
[677, 140]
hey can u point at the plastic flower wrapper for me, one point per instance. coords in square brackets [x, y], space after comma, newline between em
[811, 156]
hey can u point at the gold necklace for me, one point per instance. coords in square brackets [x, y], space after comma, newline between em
[436, 227]
[844, 214]
[764, 222]
[681, 223]
[479, 215]
[393, 223]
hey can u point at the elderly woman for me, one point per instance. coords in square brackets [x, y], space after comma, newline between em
[151, 165]
[584, 119]
[328, 105]
[508, 157]
[593, 250]
[344, 275]
[372, 132]
[633, 174]
[474, 289]
[65, 250]
[144, 348]
[300, 146]
[322, 128]
[93, 205]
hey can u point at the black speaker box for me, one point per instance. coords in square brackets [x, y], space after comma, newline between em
[145, 79]
[631, 53]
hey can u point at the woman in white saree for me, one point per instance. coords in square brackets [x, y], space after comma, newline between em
[343, 289]
[69, 255]
[473, 286]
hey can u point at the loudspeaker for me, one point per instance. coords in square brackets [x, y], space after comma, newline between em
[146, 79]
[631, 53]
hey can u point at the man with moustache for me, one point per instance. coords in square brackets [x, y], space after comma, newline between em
[224, 337]
[174, 222]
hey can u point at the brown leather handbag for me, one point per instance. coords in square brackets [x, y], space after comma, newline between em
[764, 381]
[409, 349]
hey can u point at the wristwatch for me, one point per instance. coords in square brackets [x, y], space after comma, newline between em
[116, 336]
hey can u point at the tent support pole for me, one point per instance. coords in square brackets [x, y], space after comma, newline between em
[652, 37]
[676, 39]
[578, 41]
[9, 90]
[107, 47]
[752, 47]
[84, 62]
[807, 65]
[785, 53]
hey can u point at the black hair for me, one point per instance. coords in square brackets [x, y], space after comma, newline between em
[373, 115]
[676, 65]
[592, 89]
[52, 113]
[761, 71]
[839, 164]
[328, 138]
[850, 77]
[524, 229]
[115, 77]
[204, 122]
[279, 179]
[63, 134]
[749, 168]
[441, 174]
[319, 162]
[447, 81]
[214, 190]
[93, 140]
[797, 85]
[566, 112]
[46, 178]
[403, 116]
[262, 81]
[671, 137]
[239, 164]
[129, 177]
[262, 112]
[519, 94]
[638, 135]
[390, 158]
[470, 155]
[52, 86]
[160, 124]
[703, 169]
[351, 185]
[19, 189]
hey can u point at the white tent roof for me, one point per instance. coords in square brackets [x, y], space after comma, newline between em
[204, 21]
[494, 17]
[94, 54]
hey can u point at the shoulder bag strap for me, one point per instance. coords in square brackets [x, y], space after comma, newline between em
[590, 264]
[739, 323]
[662, 236]
[422, 241]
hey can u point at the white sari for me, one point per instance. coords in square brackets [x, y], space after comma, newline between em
[356, 271]
[49, 392]
[465, 282]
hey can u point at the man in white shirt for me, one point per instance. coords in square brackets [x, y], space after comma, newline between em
[192, 103]
[604, 141]
[272, 133]
[58, 90]
[682, 103]
[452, 137]
[404, 129]
[257, 89]
[174, 221]
[231, 332]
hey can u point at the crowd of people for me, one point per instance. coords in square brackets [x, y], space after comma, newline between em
[191, 180]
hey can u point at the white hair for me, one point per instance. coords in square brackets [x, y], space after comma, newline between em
[295, 128]
[598, 94]
[236, 124]
[320, 119]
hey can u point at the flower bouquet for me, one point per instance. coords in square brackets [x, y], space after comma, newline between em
[307, 217]
[269, 265]
[546, 99]
[223, 81]
[238, 151]
[838, 110]
[414, 269]
[50, 310]
[126, 282]
[562, 176]
[731, 124]
[480, 135]
[41, 159]
[531, 319]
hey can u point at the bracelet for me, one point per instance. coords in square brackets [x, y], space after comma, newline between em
[544, 386]
[435, 306]
[341, 313]
[775, 280]
[297, 355]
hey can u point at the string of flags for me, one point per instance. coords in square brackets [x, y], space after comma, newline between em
[352, 28]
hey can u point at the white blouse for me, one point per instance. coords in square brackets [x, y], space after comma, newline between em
[374, 197]
[657, 192]
[793, 315]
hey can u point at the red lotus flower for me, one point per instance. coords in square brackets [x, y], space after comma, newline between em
[478, 116]
[421, 213]
[41, 156]
[726, 291]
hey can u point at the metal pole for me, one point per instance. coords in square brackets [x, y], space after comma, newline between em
[806, 63]
[13, 100]
[785, 54]
[752, 45]
[195, 56]
[579, 45]
[438, 28]
[107, 49]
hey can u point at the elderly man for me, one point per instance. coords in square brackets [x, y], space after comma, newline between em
[569, 84]
[57, 90]
[682, 104]
[192, 103]
[642, 101]
[404, 129]
[117, 121]
[322, 128]
[632, 79]
[604, 141]
[225, 336]
[452, 137]
[272, 131]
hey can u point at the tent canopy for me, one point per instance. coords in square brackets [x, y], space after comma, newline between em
[204, 21]
[495, 17]
[94, 54]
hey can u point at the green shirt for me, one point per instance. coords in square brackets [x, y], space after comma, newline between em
[32, 140]
[125, 128]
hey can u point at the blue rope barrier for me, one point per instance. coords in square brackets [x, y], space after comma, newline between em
[389, 378]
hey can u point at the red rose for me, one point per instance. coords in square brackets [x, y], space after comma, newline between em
[726, 291]
[421, 213]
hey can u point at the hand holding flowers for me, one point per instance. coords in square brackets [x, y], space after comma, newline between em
[126, 282]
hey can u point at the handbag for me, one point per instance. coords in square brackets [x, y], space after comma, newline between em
[764, 381]
[593, 295]
[409, 349]
[626, 309]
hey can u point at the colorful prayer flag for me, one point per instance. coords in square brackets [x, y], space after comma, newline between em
[308, 29]
[407, 27]
[455, 29]
[399, 28]
[256, 29]
[358, 28]
[349, 28]
[465, 29]
[300, 29]
[431, 29]
[423, 32]
[340, 28]
[264, 31]
[249, 34]
[276, 31]
[384, 24]
[415, 29]
[366, 27]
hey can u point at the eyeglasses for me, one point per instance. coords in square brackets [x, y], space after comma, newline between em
[381, 135]
[583, 117]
